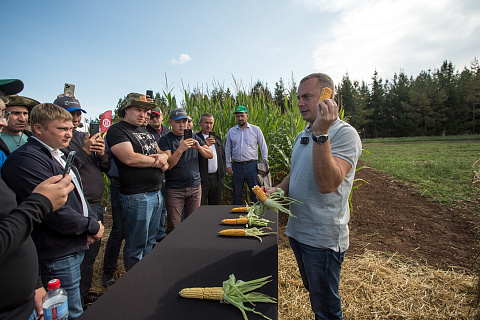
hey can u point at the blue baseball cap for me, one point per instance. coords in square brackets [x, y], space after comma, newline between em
[177, 114]
[68, 103]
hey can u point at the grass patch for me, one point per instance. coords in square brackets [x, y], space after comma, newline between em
[441, 167]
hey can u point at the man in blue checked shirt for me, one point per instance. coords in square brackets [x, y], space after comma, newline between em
[241, 154]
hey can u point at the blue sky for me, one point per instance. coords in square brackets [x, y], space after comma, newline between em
[111, 48]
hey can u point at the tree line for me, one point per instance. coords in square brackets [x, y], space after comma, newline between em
[438, 102]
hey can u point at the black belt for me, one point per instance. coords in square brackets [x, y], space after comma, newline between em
[245, 162]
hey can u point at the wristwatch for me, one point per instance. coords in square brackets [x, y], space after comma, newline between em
[321, 138]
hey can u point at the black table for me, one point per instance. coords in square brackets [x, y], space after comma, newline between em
[193, 255]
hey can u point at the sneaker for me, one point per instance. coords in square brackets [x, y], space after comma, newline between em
[108, 278]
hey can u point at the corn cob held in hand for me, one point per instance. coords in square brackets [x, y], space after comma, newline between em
[250, 232]
[233, 292]
[276, 201]
[326, 94]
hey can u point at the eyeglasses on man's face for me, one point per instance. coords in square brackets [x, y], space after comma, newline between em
[4, 115]
[154, 116]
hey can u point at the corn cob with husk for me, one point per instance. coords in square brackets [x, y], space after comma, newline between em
[249, 232]
[240, 210]
[251, 220]
[276, 201]
[233, 292]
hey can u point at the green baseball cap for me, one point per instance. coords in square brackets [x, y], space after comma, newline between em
[135, 100]
[11, 86]
[241, 109]
[20, 101]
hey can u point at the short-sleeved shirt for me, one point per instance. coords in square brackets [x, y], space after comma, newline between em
[186, 172]
[134, 180]
[322, 220]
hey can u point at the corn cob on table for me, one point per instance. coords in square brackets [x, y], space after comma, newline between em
[193, 255]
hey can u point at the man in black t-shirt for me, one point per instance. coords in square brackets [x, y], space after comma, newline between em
[140, 164]
[183, 183]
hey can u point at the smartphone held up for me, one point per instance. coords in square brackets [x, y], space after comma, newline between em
[69, 90]
[94, 128]
[68, 163]
[187, 134]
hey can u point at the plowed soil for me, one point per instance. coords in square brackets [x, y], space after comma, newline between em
[392, 216]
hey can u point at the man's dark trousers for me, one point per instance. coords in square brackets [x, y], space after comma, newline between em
[212, 190]
[242, 171]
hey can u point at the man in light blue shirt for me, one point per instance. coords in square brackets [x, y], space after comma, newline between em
[241, 154]
[323, 162]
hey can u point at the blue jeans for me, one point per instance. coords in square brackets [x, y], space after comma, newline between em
[115, 239]
[67, 269]
[89, 258]
[242, 172]
[320, 271]
[141, 220]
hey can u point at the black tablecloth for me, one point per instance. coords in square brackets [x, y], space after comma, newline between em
[193, 255]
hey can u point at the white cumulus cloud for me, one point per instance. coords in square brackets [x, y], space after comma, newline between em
[395, 35]
[182, 58]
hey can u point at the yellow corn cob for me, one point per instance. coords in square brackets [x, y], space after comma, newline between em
[233, 232]
[210, 293]
[261, 195]
[243, 220]
[240, 210]
[326, 94]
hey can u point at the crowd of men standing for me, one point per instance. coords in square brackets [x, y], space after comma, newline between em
[51, 224]
[157, 177]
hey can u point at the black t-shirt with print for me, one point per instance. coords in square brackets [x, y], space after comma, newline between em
[135, 180]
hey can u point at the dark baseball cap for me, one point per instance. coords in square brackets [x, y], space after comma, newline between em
[177, 114]
[11, 86]
[68, 103]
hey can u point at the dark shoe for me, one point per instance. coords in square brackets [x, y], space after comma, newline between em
[89, 299]
[108, 278]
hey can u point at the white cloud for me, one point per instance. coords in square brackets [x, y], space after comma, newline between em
[183, 58]
[391, 35]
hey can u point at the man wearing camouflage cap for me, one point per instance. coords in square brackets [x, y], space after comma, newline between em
[16, 133]
[141, 165]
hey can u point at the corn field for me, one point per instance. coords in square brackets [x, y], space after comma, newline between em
[279, 124]
[279, 119]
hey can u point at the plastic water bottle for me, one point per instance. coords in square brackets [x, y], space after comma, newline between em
[55, 302]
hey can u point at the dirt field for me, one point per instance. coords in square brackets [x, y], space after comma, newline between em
[392, 217]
